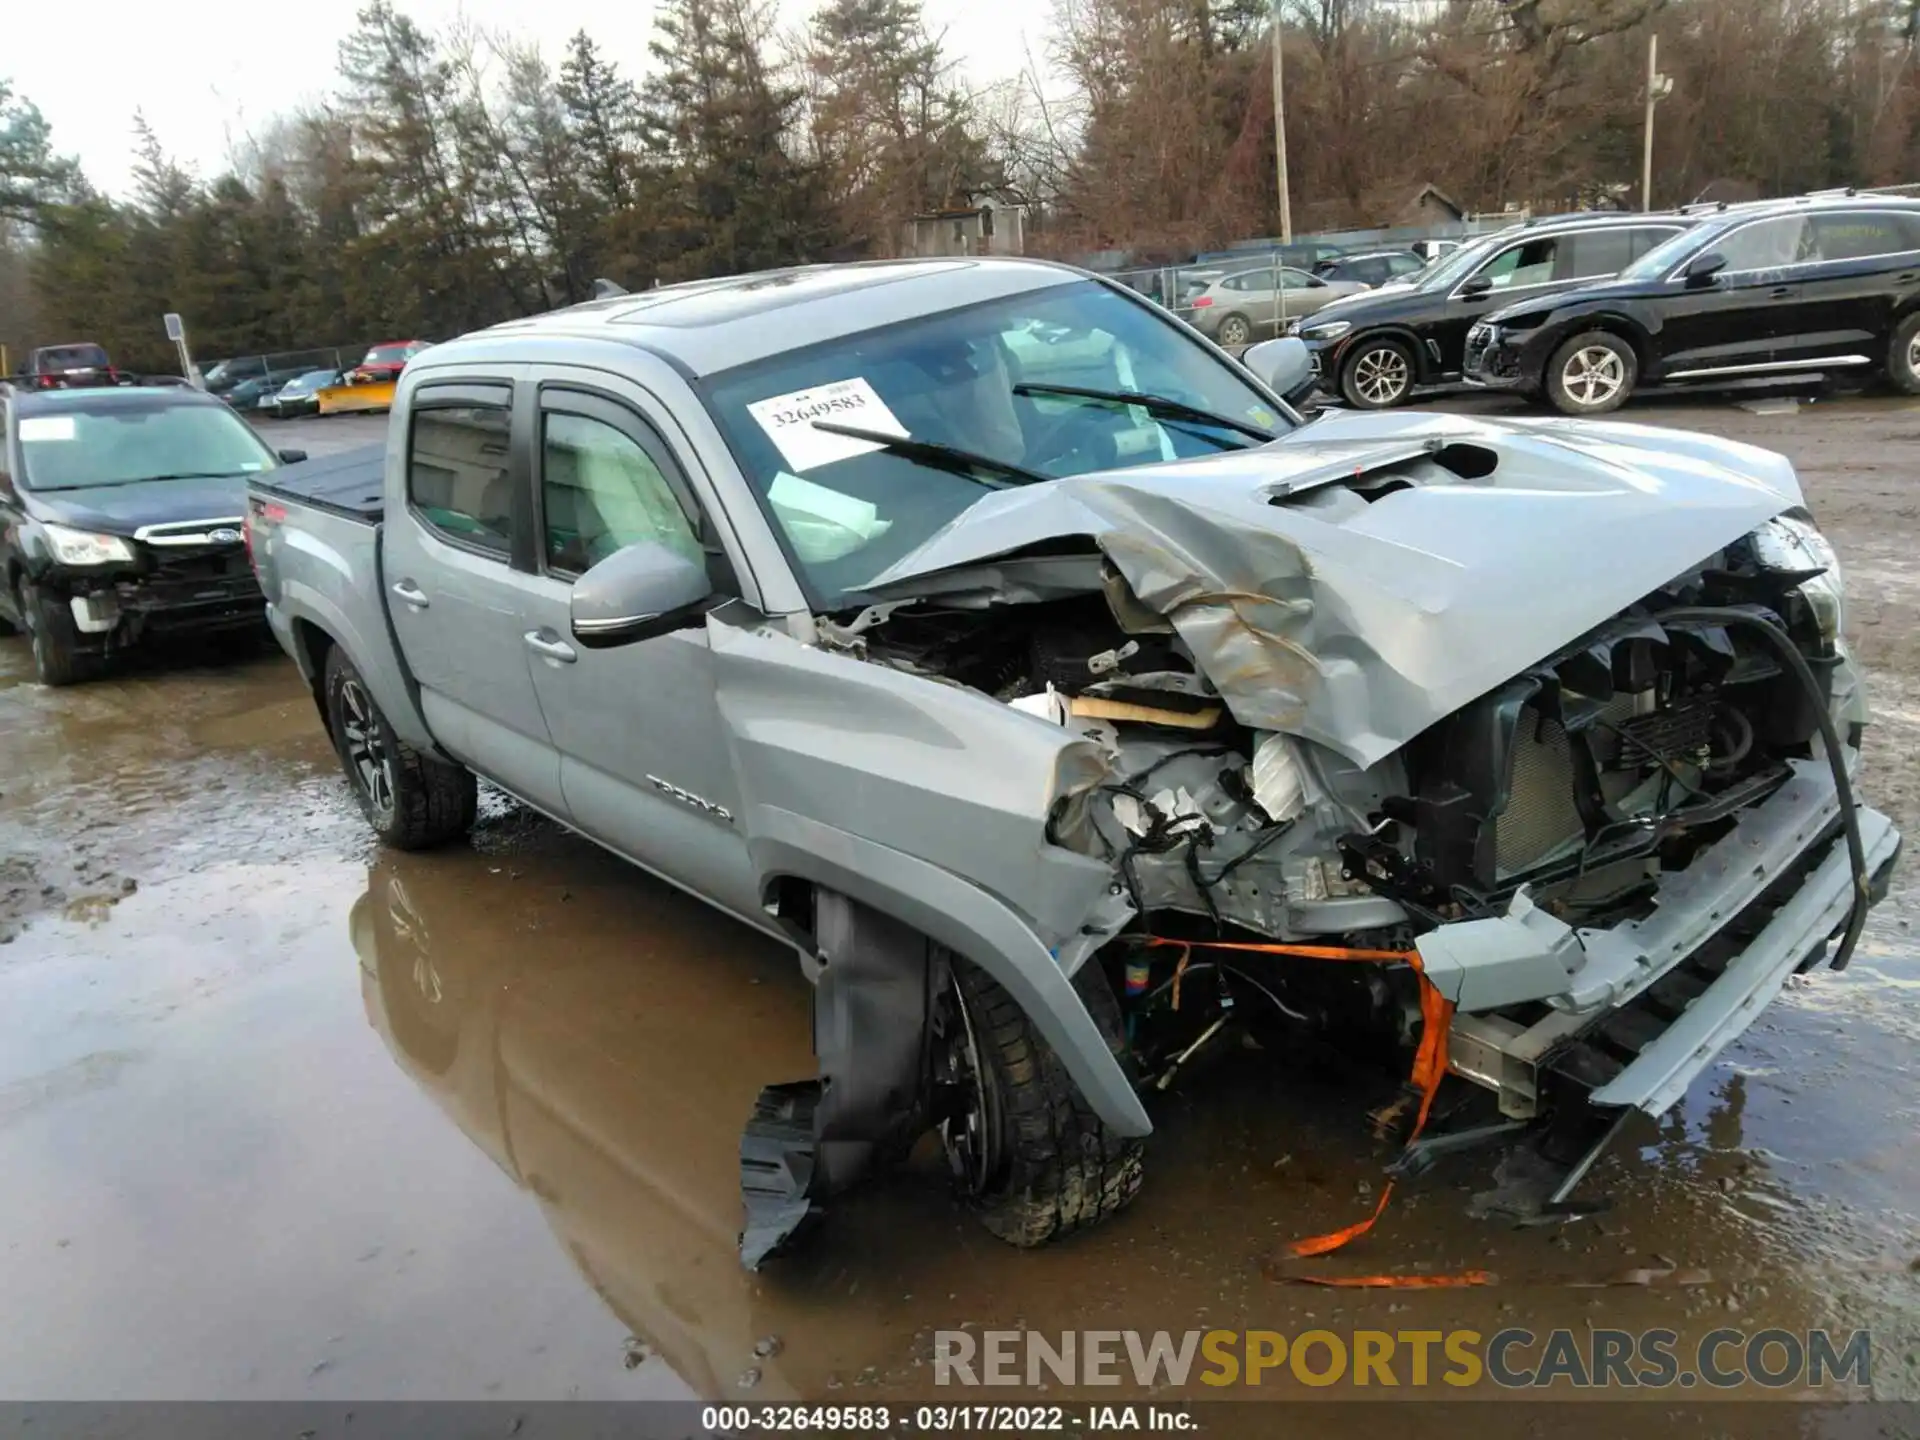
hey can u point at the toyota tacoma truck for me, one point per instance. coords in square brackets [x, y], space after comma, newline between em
[1069, 704]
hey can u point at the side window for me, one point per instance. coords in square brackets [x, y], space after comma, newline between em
[1405, 264]
[457, 474]
[1528, 263]
[1647, 237]
[601, 491]
[1599, 252]
[1861, 236]
[1767, 244]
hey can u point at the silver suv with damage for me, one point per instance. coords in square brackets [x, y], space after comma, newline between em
[1069, 703]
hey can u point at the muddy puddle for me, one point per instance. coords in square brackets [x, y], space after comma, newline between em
[283, 1116]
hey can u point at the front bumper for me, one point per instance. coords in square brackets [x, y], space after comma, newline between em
[1497, 360]
[1635, 1012]
[200, 592]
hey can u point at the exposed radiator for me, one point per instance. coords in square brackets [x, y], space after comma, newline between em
[1541, 817]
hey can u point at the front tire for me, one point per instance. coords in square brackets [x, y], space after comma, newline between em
[1592, 374]
[1903, 356]
[1378, 375]
[411, 800]
[1033, 1159]
[57, 660]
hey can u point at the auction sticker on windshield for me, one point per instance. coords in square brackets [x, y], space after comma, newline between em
[46, 427]
[788, 421]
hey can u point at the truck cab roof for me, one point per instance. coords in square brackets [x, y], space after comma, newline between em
[706, 326]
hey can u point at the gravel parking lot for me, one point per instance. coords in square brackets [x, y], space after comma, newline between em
[286, 1116]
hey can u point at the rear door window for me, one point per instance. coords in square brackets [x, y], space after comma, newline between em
[1862, 236]
[457, 473]
[1598, 253]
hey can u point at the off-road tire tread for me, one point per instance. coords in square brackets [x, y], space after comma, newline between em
[434, 802]
[1066, 1171]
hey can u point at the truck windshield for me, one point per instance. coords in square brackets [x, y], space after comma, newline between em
[76, 448]
[848, 508]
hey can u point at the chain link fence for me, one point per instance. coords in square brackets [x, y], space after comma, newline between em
[284, 364]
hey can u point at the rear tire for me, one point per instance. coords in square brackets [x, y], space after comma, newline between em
[1903, 356]
[1235, 330]
[57, 660]
[1378, 375]
[412, 801]
[1592, 374]
[1048, 1166]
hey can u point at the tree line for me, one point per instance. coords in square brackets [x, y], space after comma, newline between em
[456, 178]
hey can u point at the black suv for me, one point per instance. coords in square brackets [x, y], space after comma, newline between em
[1814, 284]
[1375, 350]
[121, 517]
[70, 367]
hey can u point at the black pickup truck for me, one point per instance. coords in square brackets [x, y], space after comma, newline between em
[121, 517]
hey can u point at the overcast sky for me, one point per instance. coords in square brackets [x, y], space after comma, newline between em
[205, 74]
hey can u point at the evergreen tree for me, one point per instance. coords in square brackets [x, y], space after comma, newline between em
[719, 121]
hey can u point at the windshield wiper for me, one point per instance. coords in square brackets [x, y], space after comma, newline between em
[137, 480]
[1159, 405]
[942, 457]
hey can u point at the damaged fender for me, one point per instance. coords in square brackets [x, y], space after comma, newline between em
[818, 736]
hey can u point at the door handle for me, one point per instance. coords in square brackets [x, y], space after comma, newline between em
[551, 649]
[410, 594]
[1781, 292]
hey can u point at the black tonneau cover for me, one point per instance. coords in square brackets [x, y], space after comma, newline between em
[350, 483]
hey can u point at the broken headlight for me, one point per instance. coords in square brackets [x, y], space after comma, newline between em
[82, 547]
[1793, 543]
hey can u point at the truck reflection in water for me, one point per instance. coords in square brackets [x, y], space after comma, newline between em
[602, 1045]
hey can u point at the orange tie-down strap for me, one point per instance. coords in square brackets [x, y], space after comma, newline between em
[1429, 1069]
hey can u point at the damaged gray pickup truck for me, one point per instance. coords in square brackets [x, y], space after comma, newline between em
[1068, 701]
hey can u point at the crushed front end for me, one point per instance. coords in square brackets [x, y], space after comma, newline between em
[1608, 865]
[189, 578]
[1608, 859]
[1555, 726]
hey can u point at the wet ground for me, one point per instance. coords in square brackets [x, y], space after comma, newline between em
[284, 1116]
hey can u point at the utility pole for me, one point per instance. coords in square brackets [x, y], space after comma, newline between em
[1658, 88]
[1280, 131]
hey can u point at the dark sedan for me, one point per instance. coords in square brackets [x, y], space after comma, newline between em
[122, 513]
[301, 395]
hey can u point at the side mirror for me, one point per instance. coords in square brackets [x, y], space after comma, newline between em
[1702, 268]
[291, 457]
[638, 592]
[1475, 285]
[1284, 364]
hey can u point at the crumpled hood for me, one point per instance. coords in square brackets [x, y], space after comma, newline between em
[1359, 625]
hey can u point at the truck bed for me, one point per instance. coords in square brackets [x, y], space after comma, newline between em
[350, 483]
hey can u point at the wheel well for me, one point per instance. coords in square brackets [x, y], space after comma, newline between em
[1616, 327]
[314, 644]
